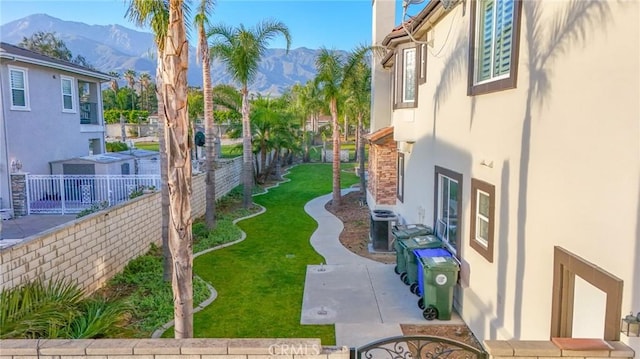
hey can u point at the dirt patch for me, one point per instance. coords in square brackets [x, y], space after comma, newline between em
[354, 214]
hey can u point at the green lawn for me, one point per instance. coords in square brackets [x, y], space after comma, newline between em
[260, 281]
[228, 151]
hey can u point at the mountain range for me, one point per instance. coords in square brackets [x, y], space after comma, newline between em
[117, 48]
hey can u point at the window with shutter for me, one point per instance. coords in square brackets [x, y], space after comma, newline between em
[19, 91]
[494, 49]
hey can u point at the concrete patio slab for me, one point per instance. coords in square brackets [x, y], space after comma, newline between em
[356, 335]
[365, 299]
[339, 294]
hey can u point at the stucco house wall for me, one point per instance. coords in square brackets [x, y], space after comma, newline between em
[562, 150]
[43, 132]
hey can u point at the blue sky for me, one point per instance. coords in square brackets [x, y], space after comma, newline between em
[339, 24]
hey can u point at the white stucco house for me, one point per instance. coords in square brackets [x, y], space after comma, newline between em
[50, 110]
[513, 128]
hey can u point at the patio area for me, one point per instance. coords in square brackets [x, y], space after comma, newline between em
[19, 229]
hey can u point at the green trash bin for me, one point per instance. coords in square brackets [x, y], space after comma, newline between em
[411, 264]
[439, 274]
[406, 231]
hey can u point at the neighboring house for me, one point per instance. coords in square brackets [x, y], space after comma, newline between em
[513, 128]
[50, 110]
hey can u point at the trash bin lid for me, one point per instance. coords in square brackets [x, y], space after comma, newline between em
[431, 252]
[440, 263]
[403, 231]
[424, 240]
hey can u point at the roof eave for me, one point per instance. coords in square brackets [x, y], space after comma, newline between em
[89, 73]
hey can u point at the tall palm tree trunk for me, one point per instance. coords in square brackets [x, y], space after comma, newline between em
[174, 78]
[210, 143]
[247, 166]
[164, 188]
[360, 154]
[336, 153]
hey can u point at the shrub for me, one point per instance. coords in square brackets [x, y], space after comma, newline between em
[116, 146]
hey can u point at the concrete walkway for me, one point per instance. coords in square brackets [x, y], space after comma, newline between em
[365, 299]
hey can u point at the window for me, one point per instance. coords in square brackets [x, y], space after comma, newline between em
[400, 189]
[67, 94]
[423, 64]
[409, 75]
[405, 82]
[448, 206]
[18, 82]
[495, 33]
[482, 218]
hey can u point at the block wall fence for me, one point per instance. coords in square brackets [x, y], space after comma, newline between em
[92, 249]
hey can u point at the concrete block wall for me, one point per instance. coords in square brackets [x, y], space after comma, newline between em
[170, 349]
[542, 349]
[92, 249]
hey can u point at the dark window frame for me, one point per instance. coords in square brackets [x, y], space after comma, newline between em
[400, 184]
[501, 84]
[478, 185]
[436, 188]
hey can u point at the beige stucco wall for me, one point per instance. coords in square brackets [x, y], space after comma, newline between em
[91, 249]
[563, 153]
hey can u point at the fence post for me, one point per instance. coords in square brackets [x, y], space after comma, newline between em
[19, 194]
[63, 194]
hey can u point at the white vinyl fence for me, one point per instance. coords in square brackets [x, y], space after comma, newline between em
[68, 194]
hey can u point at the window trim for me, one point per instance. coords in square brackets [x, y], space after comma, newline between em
[422, 61]
[73, 108]
[478, 186]
[25, 78]
[398, 81]
[566, 266]
[400, 184]
[441, 171]
[503, 82]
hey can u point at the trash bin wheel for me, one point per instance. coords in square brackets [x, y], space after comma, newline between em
[414, 288]
[421, 303]
[404, 278]
[395, 269]
[430, 313]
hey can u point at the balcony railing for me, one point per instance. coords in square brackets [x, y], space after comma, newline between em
[88, 113]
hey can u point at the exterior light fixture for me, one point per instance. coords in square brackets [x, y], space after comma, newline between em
[630, 325]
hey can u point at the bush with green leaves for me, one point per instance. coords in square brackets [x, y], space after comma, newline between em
[116, 146]
[57, 309]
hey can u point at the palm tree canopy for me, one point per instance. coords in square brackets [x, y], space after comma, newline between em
[329, 65]
[241, 48]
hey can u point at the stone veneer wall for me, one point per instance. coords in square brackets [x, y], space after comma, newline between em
[92, 249]
[19, 191]
[534, 349]
[383, 175]
[169, 349]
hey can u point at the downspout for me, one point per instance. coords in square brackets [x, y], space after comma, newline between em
[5, 144]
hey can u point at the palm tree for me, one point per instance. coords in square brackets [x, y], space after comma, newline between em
[204, 8]
[333, 76]
[155, 14]
[358, 89]
[130, 76]
[115, 76]
[174, 74]
[145, 81]
[240, 49]
[330, 67]
[166, 19]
